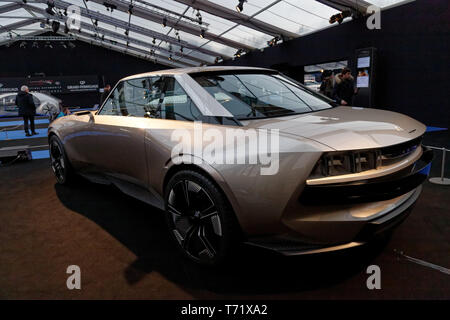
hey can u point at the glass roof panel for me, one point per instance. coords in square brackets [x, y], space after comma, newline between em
[385, 3]
[298, 16]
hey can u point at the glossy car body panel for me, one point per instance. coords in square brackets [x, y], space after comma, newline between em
[135, 153]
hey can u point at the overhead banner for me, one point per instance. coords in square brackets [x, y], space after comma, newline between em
[58, 84]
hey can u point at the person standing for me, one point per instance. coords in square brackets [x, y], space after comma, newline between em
[326, 87]
[344, 89]
[27, 109]
[105, 93]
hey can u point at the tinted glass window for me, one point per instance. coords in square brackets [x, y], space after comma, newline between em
[249, 96]
[154, 97]
[176, 104]
[129, 98]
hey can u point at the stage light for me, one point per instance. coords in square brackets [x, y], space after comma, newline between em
[130, 9]
[240, 6]
[55, 26]
[339, 17]
[202, 33]
[164, 22]
[199, 17]
[239, 53]
[273, 42]
[126, 32]
[154, 41]
[49, 9]
[95, 22]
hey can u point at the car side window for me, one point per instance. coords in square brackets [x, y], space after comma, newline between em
[112, 105]
[129, 98]
[176, 104]
[153, 97]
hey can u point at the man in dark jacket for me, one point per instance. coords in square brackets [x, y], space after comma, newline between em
[27, 109]
[344, 89]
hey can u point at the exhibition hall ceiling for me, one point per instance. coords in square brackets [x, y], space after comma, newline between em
[176, 33]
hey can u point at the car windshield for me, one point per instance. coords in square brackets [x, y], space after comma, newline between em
[260, 95]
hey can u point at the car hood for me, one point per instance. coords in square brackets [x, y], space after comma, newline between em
[346, 128]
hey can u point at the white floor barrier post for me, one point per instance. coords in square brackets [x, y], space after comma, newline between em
[441, 180]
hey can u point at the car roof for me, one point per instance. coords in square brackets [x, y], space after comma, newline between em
[193, 70]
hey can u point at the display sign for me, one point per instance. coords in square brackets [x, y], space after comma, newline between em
[59, 84]
[363, 62]
[362, 79]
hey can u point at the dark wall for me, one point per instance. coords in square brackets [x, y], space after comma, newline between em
[84, 59]
[413, 57]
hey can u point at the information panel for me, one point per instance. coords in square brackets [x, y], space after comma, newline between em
[58, 84]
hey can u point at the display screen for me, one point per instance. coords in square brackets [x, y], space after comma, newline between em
[363, 62]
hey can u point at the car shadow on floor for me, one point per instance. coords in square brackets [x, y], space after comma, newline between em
[142, 229]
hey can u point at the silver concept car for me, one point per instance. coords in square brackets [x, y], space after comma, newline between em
[343, 175]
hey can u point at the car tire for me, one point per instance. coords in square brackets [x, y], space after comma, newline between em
[200, 219]
[59, 162]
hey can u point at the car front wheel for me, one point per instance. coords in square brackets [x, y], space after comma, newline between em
[59, 163]
[199, 218]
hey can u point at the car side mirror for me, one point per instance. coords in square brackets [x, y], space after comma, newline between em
[85, 112]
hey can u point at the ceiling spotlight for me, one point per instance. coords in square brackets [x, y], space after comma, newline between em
[130, 9]
[127, 32]
[170, 58]
[154, 41]
[202, 33]
[273, 42]
[164, 22]
[109, 6]
[199, 17]
[239, 53]
[49, 9]
[339, 17]
[55, 26]
[240, 6]
[95, 22]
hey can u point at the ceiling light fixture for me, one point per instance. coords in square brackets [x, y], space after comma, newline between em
[240, 6]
